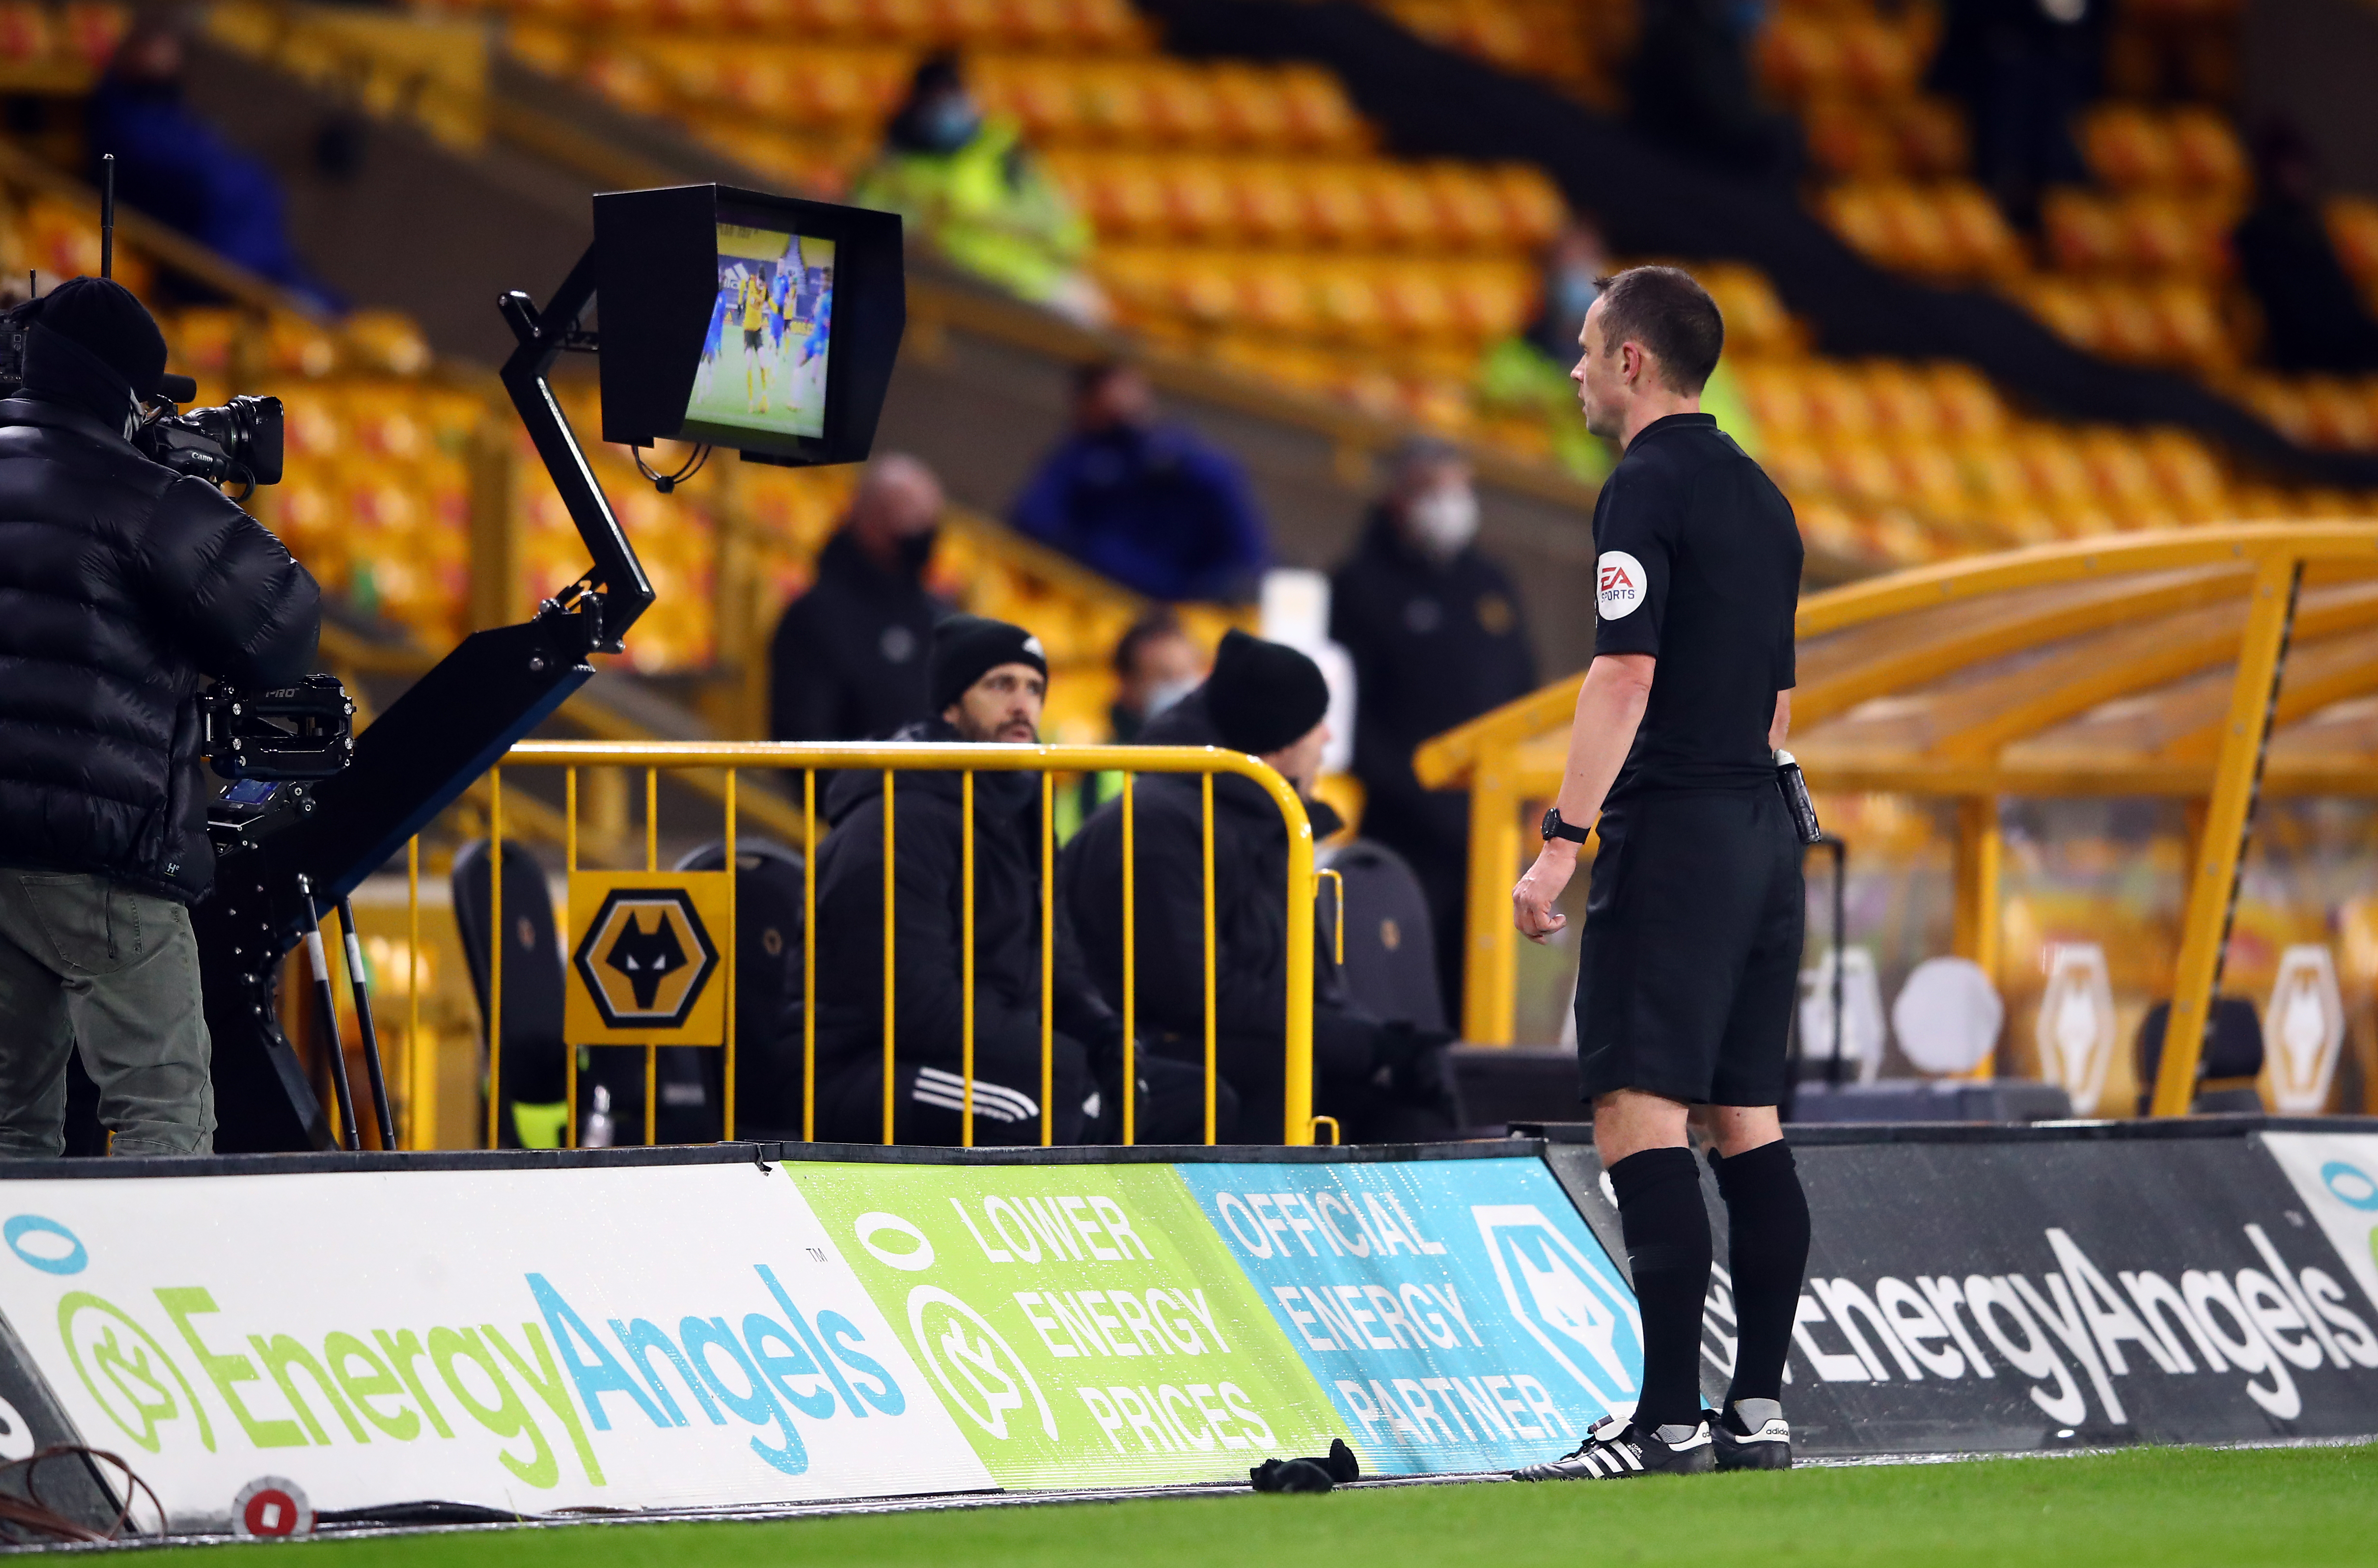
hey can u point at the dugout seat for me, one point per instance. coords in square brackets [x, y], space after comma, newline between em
[1390, 970]
[770, 908]
[534, 1062]
[2225, 1072]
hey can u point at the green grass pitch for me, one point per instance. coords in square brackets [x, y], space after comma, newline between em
[2301, 1507]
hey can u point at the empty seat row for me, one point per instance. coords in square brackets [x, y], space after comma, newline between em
[1080, 25]
[1348, 203]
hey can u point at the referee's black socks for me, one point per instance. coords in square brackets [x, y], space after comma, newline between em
[1767, 1218]
[1668, 1253]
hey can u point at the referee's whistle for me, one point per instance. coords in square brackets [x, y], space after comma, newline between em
[1794, 788]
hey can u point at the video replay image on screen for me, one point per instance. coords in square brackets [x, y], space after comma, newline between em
[763, 363]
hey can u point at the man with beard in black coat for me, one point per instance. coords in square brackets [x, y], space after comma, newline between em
[848, 661]
[1383, 1082]
[987, 683]
[1437, 637]
[121, 584]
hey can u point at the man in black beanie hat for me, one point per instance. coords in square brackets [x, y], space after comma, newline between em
[988, 680]
[1383, 1082]
[121, 584]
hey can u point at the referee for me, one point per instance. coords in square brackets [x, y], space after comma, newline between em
[1691, 948]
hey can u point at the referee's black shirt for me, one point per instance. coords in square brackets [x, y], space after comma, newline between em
[1698, 564]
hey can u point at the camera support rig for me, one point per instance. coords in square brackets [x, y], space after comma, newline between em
[454, 724]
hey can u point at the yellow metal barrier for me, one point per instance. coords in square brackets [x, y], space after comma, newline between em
[1301, 886]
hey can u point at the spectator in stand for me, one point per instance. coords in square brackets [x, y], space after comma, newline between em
[972, 189]
[848, 659]
[989, 681]
[1383, 1082]
[174, 166]
[2313, 319]
[1148, 504]
[1156, 664]
[2025, 68]
[1528, 372]
[1691, 86]
[1436, 633]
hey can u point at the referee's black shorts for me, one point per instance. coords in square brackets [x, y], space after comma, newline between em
[1691, 951]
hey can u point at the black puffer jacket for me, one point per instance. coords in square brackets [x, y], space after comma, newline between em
[121, 583]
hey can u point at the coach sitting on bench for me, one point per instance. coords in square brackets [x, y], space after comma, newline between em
[1383, 1082]
[988, 680]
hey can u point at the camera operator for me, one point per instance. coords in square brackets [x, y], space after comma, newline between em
[121, 583]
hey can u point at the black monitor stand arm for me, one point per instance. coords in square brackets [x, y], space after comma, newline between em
[454, 724]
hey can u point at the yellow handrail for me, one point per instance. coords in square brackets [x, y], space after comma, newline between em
[896, 757]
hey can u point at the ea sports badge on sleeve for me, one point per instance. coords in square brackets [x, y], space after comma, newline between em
[645, 968]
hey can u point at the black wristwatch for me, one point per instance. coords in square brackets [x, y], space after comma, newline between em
[1554, 828]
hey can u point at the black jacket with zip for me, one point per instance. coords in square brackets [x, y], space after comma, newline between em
[1251, 917]
[930, 911]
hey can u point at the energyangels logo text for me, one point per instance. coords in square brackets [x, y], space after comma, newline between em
[2261, 1325]
[182, 1368]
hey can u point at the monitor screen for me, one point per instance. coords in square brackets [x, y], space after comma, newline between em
[763, 363]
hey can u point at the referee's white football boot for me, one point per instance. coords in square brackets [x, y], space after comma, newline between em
[1765, 1444]
[1615, 1450]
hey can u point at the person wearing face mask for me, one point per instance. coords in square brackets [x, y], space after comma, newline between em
[1435, 630]
[989, 681]
[123, 584]
[1150, 504]
[848, 661]
[1527, 373]
[1156, 665]
[969, 186]
[1384, 1081]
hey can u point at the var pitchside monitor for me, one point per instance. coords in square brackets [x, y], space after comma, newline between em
[767, 324]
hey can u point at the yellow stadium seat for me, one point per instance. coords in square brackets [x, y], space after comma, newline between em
[1967, 405]
[1799, 57]
[1318, 115]
[2058, 480]
[1878, 61]
[1777, 397]
[1850, 141]
[1929, 134]
[1901, 402]
[1250, 109]
[2189, 329]
[1181, 109]
[1346, 301]
[2353, 229]
[1862, 471]
[1115, 101]
[1490, 299]
[1838, 405]
[2337, 414]
[2205, 150]
[1276, 296]
[1413, 299]
[1402, 213]
[1931, 480]
[1470, 211]
[1335, 210]
[1978, 234]
[1533, 210]
[2082, 232]
[1267, 202]
[1198, 202]
[2189, 480]
[2129, 327]
[2129, 146]
[2125, 481]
